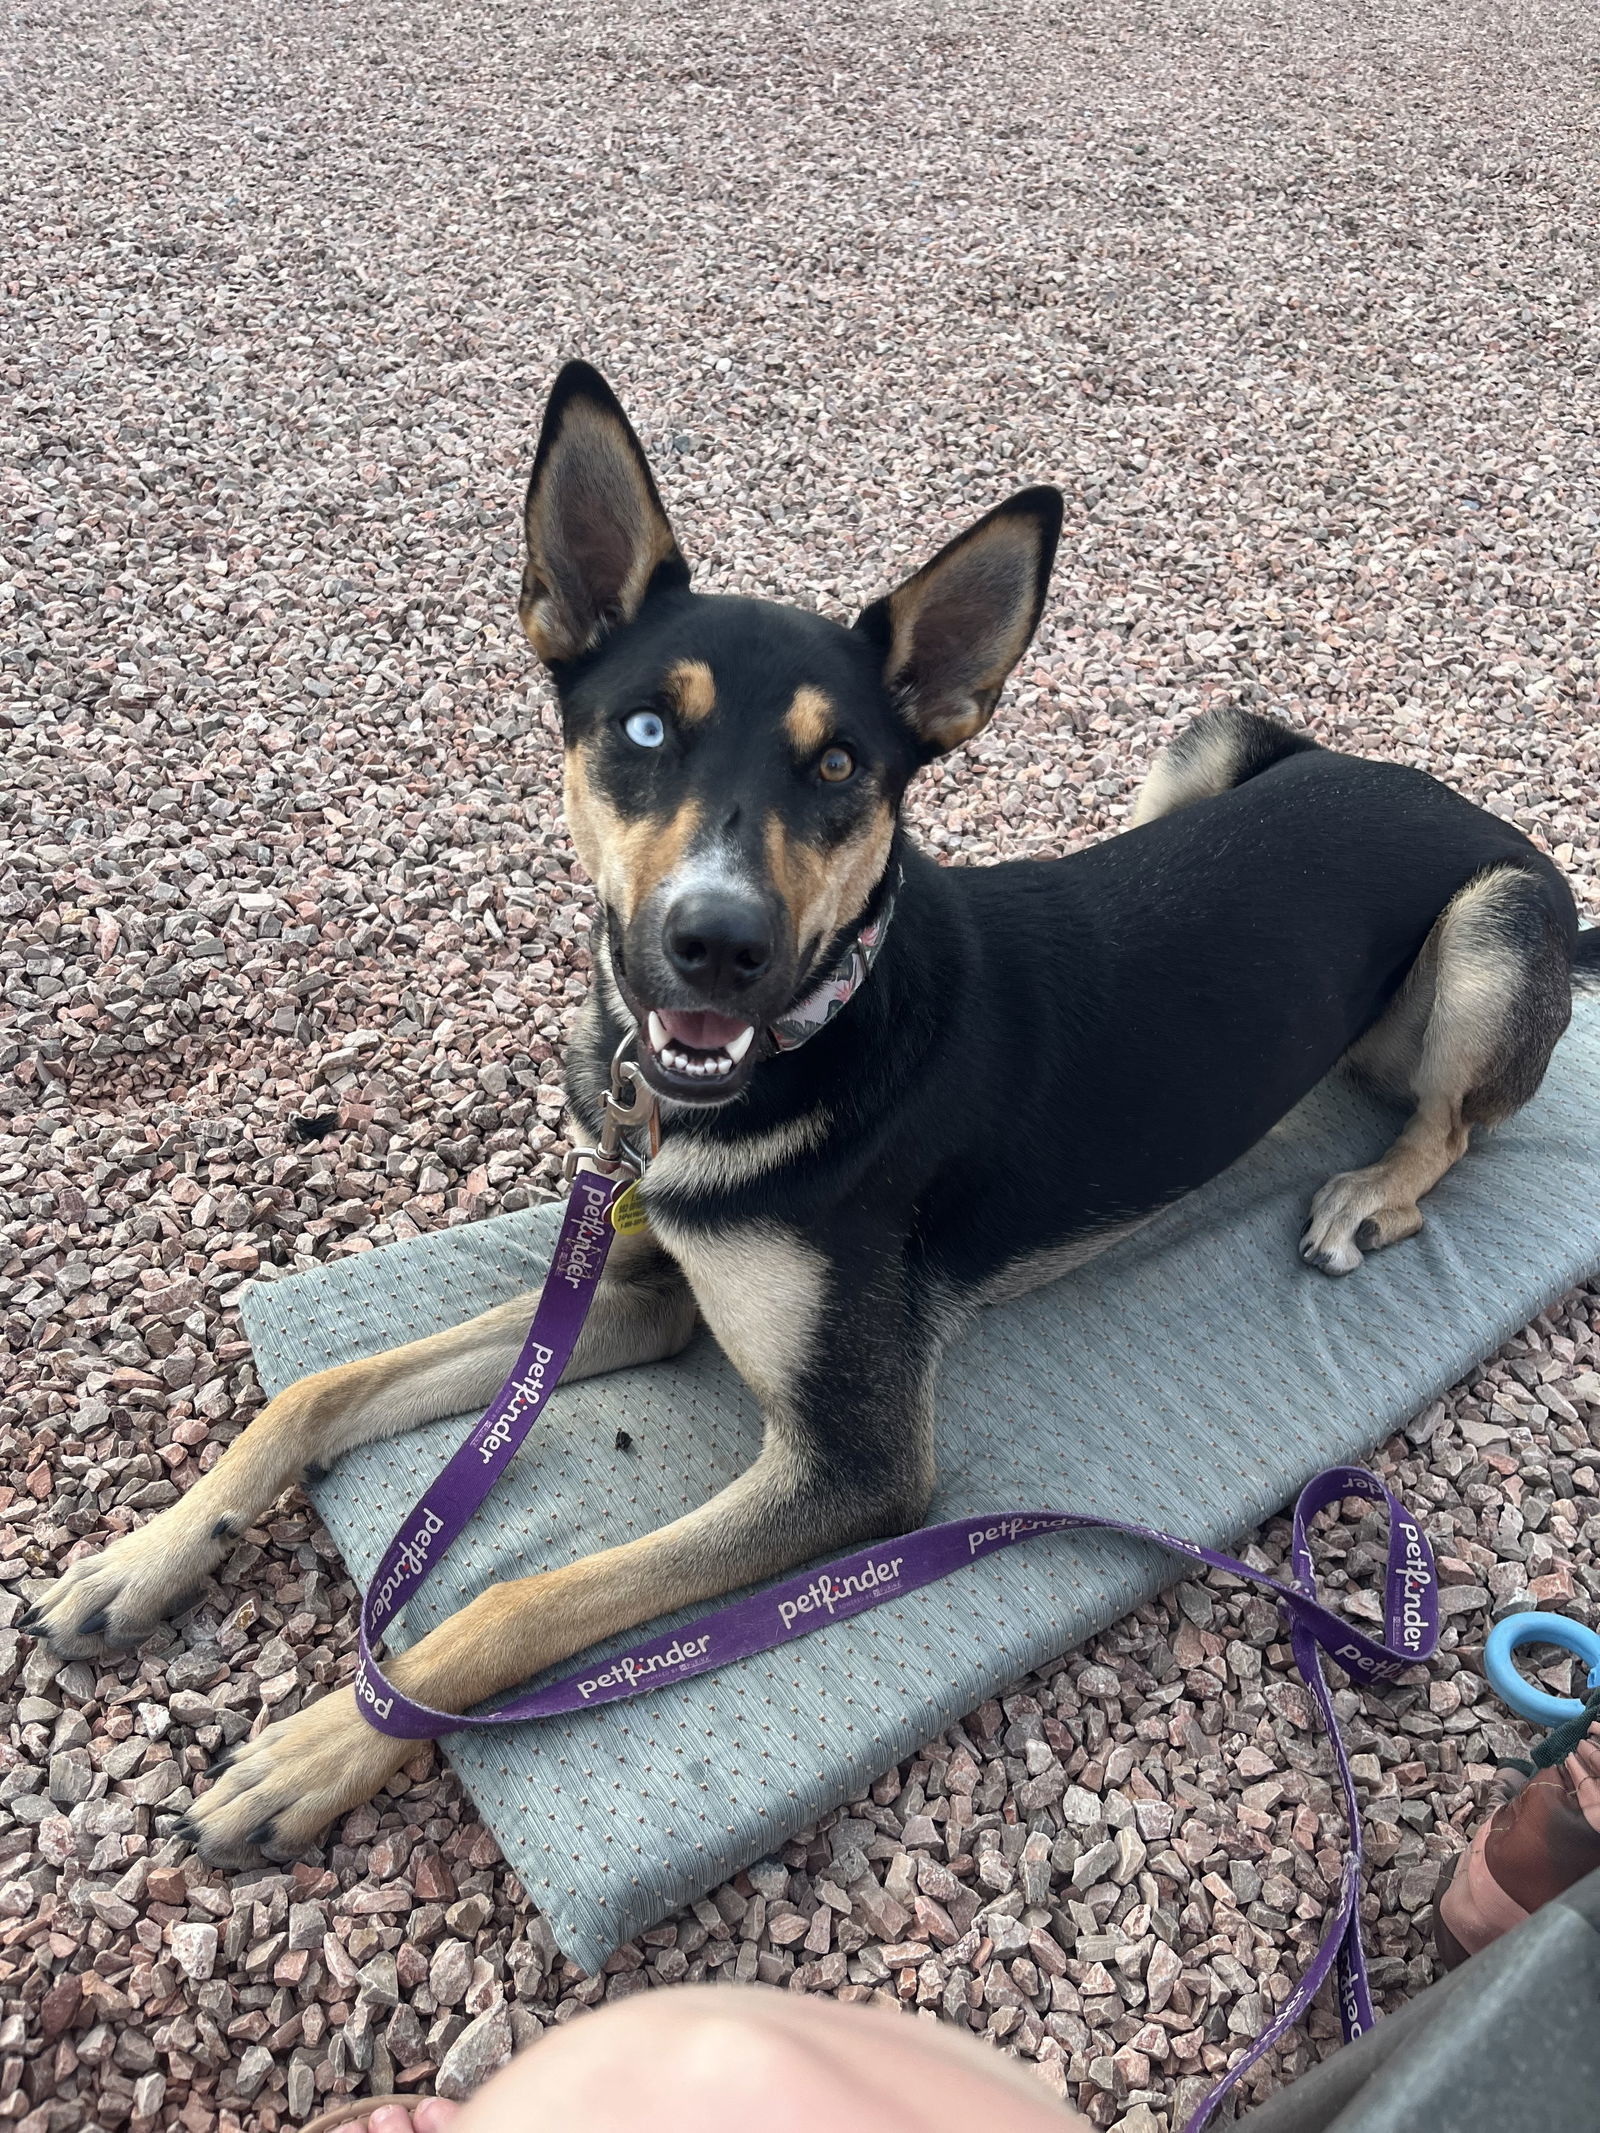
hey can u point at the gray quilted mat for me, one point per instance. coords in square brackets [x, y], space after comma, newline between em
[1193, 1377]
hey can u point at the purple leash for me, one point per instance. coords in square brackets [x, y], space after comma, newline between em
[885, 1571]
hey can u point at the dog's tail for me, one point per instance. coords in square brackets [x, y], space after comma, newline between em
[1586, 961]
[1221, 749]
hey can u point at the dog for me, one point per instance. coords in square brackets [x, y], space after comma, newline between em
[849, 1044]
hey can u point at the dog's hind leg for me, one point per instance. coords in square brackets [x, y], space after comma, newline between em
[1467, 1040]
[642, 1312]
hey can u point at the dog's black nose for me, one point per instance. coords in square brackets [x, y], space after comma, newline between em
[718, 943]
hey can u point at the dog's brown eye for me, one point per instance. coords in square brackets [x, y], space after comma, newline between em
[837, 764]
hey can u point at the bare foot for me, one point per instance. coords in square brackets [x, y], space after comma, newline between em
[432, 2115]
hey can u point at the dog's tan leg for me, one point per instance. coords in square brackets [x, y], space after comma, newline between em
[1362, 1210]
[642, 1312]
[846, 1389]
[283, 1788]
[1468, 1037]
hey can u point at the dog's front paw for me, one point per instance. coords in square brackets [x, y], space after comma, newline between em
[278, 1792]
[117, 1597]
[1353, 1214]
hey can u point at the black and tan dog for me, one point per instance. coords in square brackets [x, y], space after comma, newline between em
[850, 1045]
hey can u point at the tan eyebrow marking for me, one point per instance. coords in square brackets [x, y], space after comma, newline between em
[693, 689]
[808, 721]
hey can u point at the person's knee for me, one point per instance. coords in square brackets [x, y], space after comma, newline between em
[686, 2061]
[721, 2059]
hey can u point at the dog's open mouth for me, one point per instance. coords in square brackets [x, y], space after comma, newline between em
[701, 1048]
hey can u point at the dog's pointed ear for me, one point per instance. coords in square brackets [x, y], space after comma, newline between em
[598, 538]
[951, 634]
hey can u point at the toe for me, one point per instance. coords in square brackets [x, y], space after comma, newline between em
[1330, 1256]
[1388, 1225]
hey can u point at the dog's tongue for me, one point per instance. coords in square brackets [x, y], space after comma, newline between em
[704, 1032]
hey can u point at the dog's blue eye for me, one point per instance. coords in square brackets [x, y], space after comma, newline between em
[645, 729]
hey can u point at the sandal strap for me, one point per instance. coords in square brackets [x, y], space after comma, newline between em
[353, 2109]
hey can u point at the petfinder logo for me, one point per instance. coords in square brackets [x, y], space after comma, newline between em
[411, 1560]
[379, 1706]
[1007, 1529]
[627, 1672]
[827, 1592]
[1365, 1668]
[1417, 1578]
[1349, 2004]
[528, 1391]
[583, 1257]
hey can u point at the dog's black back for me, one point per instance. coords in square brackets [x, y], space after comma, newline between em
[1051, 1048]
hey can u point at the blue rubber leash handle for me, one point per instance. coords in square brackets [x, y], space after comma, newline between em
[1514, 1689]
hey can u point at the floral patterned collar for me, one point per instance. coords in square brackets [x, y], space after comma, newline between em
[844, 980]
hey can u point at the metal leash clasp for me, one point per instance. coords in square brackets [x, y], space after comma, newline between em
[627, 1104]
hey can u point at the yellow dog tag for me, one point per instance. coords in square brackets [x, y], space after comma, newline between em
[627, 1212]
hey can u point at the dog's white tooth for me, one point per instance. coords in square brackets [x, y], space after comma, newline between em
[736, 1047]
[658, 1033]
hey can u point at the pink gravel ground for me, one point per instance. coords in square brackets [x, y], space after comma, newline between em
[1299, 312]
